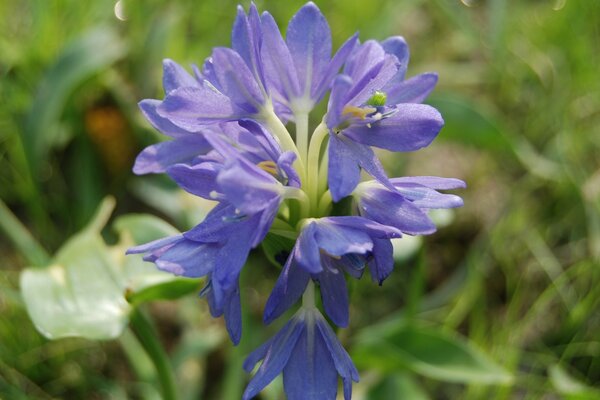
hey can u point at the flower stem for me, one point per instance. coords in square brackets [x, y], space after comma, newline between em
[308, 298]
[35, 254]
[314, 151]
[278, 129]
[145, 332]
[302, 134]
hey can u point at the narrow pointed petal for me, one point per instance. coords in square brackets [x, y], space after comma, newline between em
[277, 61]
[337, 100]
[412, 127]
[155, 245]
[190, 107]
[236, 80]
[275, 354]
[175, 76]
[245, 40]
[433, 182]
[306, 251]
[288, 289]
[199, 180]
[413, 90]
[334, 294]
[425, 197]
[333, 68]
[163, 125]
[218, 226]
[338, 240]
[390, 208]
[233, 315]
[308, 38]
[343, 171]
[310, 373]
[382, 264]
[341, 359]
[158, 157]
[188, 258]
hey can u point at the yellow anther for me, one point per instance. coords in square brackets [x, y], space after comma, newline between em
[268, 166]
[358, 112]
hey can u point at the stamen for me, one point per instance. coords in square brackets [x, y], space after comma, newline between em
[358, 112]
[269, 167]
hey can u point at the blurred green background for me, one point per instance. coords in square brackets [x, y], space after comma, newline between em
[515, 274]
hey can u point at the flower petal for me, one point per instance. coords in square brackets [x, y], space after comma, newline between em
[175, 76]
[310, 373]
[412, 127]
[275, 355]
[158, 157]
[288, 289]
[334, 293]
[382, 264]
[343, 170]
[199, 179]
[277, 61]
[308, 38]
[413, 90]
[306, 251]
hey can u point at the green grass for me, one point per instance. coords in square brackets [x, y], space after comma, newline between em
[516, 273]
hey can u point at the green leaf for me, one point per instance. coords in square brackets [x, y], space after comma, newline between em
[85, 289]
[389, 388]
[78, 62]
[569, 387]
[81, 293]
[428, 352]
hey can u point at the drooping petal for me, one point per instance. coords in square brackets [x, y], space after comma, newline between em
[334, 293]
[189, 259]
[287, 290]
[341, 359]
[218, 226]
[343, 170]
[338, 240]
[310, 373]
[412, 127]
[306, 251]
[233, 315]
[275, 355]
[199, 179]
[309, 41]
[175, 76]
[382, 264]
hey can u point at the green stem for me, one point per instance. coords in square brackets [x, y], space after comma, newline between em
[314, 151]
[302, 134]
[146, 333]
[278, 129]
[324, 203]
[308, 298]
[35, 254]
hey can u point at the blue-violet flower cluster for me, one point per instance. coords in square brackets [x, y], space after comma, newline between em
[228, 124]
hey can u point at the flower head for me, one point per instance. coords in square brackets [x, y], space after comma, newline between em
[229, 142]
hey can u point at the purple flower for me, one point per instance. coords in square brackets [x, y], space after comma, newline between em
[405, 207]
[325, 249]
[308, 353]
[362, 114]
[300, 70]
